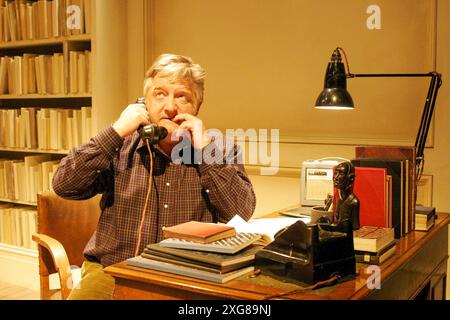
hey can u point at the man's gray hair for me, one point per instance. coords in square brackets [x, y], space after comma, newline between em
[179, 68]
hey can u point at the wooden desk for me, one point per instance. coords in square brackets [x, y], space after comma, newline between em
[417, 271]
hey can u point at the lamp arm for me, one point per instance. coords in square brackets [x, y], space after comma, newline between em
[370, 75]
[427, 114]
[425, 122]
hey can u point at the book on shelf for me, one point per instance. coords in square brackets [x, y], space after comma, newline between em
[28, 121]
[201, 232]
[424, 218]
[17, 224]
[73, 71]
[9, 179]
[229, 245]
[45, 73]
[47, 171]
[214, 261]
[186, 271]
[30, 22]
[408, 155]
[81, 72]
[86, 115]
[4, 20]
[372, 239]
[3, 186]
[4, 63]
[11, 19]
[32, 165]
[43, 19]
[87, 16]
[51, 174]
[21, 180]
[23, 20]
[45, 128]
[376, 257]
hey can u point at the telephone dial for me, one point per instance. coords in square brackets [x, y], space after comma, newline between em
[151, 132]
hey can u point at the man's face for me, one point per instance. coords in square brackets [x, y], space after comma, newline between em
[167, 98]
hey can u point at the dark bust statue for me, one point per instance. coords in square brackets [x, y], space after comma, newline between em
[347, 204]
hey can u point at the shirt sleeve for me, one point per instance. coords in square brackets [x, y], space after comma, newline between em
[228, 187]
[86, 171]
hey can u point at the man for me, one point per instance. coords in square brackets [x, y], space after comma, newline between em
[116, 163]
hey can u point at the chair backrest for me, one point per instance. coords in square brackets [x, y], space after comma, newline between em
[71, 222]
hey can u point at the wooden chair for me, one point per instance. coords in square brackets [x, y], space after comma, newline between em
[64, 228]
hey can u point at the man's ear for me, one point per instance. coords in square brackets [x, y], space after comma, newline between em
[197, 110]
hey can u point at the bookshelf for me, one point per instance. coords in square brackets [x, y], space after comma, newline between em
[43, 96]
[106, 43]
[44, 42]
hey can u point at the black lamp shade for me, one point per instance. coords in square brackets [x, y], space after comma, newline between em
[334, 98]
[335, 94]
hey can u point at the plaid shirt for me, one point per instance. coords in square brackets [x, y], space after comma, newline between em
[118, 169]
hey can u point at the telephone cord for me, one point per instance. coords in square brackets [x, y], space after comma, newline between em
[335, 278]
[150, 180]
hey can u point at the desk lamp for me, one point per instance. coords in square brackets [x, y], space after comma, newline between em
[336, 97]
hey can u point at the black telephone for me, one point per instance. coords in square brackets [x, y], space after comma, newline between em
[310, 253]
[151, 132]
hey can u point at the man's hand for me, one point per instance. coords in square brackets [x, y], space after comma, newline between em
[131, 118]
[196, 128]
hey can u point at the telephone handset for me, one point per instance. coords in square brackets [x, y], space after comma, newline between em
[151, 132]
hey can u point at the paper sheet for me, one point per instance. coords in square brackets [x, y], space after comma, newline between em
[267, 226]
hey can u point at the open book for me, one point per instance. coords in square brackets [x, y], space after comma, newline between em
[266, 227]
[230, 245]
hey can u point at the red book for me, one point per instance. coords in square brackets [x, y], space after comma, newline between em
[370, 188]
[408, 155]
[202, 232]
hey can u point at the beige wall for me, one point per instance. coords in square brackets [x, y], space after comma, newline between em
[109, 49]
[119, 46]
[265, 62]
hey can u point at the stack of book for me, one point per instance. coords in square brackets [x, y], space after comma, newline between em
[374, 245]
[201, 250]
[424, 218]
[384, 185]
